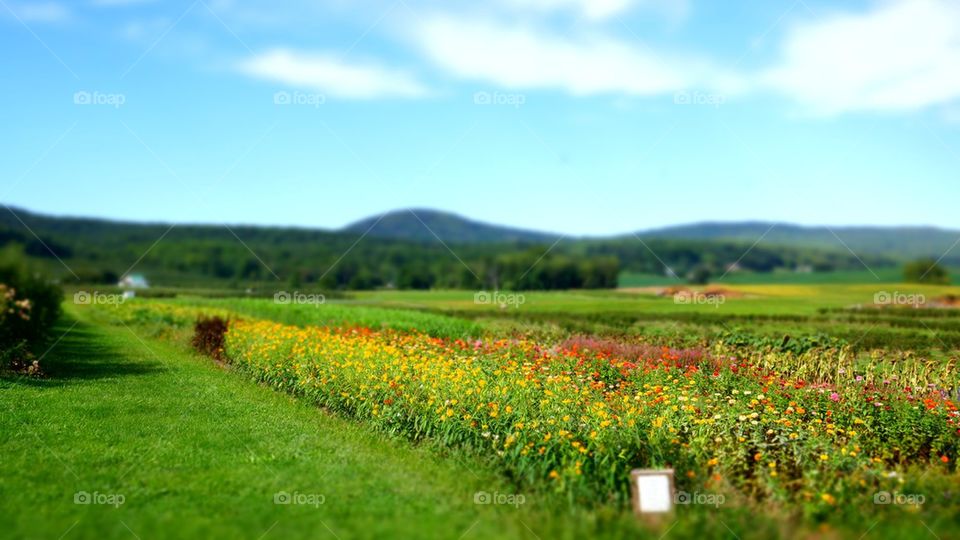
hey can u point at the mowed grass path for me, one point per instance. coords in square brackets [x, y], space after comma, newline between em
[198, 451]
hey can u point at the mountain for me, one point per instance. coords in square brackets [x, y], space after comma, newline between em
[424, 225]
[899, 243]
[895, 242]
[430, 249]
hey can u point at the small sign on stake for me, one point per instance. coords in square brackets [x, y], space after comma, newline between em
[652, 491]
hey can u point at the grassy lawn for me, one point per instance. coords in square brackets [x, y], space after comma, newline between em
[194, 450]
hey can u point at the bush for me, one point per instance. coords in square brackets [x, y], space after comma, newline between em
[208, 336]
[925, 271]
[29, 307]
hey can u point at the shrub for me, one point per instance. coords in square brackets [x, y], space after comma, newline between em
[926, 271]
[29, 307]
[208, 336]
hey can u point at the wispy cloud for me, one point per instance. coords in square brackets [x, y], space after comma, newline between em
[594, 9]
[330, 74]
[519, 56]
[900, 55]
[599, 9]
[41, 12]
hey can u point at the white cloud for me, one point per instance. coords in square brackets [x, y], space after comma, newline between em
[600, 9]
[524, 57]
[901, 55]
[331, 75]
[594, 9]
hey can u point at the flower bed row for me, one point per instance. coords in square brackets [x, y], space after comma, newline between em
[578, 416]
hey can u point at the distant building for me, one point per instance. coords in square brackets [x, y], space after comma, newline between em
[133, 281]
[804, 269]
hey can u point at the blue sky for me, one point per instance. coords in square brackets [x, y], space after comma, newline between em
[575, 116]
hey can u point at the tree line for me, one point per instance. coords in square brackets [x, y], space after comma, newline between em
[98, 251]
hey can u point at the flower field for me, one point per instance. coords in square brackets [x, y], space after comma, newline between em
[813, 432]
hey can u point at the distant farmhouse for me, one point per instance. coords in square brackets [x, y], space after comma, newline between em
[734, 267]
[133, 281]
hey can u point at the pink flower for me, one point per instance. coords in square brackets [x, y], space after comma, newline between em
[835, 396]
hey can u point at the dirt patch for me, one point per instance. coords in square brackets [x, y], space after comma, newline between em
[951, 301]
[681, 291]
[714, 292]
[674, 291]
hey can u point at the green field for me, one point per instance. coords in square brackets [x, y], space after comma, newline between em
[127, 410]
[886, 274]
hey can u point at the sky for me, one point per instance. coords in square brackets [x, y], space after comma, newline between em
[575, 116]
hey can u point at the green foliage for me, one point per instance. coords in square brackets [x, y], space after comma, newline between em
[925, 271]
[798, 345]
[699, 275]
[29, 307]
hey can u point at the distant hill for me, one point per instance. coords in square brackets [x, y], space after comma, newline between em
[899, 243]
[895, 242]
[400, 250]
[420, 225]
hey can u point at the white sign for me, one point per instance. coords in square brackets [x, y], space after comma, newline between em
[652, 490]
